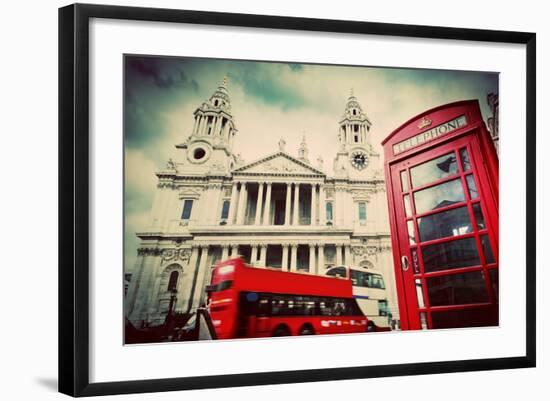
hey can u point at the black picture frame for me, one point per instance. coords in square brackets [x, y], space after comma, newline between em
[74, 194]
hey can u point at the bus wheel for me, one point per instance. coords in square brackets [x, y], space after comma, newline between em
[307, 330]
[371, 327]
[281, 331]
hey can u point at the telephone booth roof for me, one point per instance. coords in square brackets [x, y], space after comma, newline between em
[432, 127]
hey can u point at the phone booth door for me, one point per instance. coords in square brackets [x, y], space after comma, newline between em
[446, 226]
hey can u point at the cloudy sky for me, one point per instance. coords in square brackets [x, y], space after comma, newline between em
[269, 101]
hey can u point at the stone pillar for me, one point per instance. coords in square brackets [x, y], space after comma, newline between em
[254, 254]
[311, 258]
[263, 255]
[234, 250]
[347, 255]
[204, 123]
[196, 126]
[225, 252]
[201, 274]
[287, 205]
[191, 267]
[338, 254]
[293, 257]
[296, 220]
[267, 207]
[241, 207]
[321, 260]
[322, 206]
[217, 125]
[214, 207]
[232, 204]
[313, 214]
[257, 220]
[284, 263]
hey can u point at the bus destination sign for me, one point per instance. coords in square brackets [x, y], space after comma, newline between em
[429, 135]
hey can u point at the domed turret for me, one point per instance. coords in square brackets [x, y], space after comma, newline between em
[220, 98]
[354, 125]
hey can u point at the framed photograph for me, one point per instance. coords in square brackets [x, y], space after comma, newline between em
[237, 189]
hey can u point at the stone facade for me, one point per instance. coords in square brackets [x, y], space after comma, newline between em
[278, 211]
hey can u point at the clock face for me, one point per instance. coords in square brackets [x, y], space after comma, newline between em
[359, 160]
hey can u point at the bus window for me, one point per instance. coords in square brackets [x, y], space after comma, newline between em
[383, 307]
[337, 272]
[375, 281]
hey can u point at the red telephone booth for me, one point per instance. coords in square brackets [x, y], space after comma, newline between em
[441, 172]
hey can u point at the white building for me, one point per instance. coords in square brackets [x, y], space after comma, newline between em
[279, 211]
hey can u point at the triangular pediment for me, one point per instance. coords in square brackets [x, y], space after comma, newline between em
[279, 163]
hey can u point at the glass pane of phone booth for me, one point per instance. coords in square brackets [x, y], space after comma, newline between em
[455, 269]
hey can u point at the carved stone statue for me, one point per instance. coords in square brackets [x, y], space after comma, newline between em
[282, 144]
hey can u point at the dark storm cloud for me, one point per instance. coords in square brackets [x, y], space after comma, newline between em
[262, 82]
[152, 87]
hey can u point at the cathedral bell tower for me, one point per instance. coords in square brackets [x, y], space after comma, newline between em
[355, 154]
[209, 148]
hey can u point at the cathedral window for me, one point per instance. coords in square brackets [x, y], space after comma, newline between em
[199, 153]
[362, 206]
[173, 281]
[329, 211]
[225, 209]
[187, 206]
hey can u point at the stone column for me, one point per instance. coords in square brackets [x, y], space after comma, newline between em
[241, 207]
[267, 207]
[311, 258]
[191, 266]
[322, 206]
[338, 254]
[257, 220]
[232, 204]
[199, 286]
[296, 204]
[234, 250]
[284, 263]
[214, 207]
[287, 205]
[293, 257]
[313, 214]
[204, 123]
[321, 260]
[253, 254]
[225, 252]
[196, 126]
[347, 255]
[217, 125]
[263, 255]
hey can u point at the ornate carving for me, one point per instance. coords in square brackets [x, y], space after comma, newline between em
[364, 195]
[282, 144]
[288, 167]
[329, 192]
[176, 254]
[217, 166]
[170, 165]
[148, 251]
[364, 250]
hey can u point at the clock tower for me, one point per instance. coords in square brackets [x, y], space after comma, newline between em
[356, 158]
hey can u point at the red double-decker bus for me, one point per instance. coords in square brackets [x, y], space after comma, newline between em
[247, 302]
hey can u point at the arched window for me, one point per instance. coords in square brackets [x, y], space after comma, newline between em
[173, 281]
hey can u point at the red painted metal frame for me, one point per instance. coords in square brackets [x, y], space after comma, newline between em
[484, 169]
